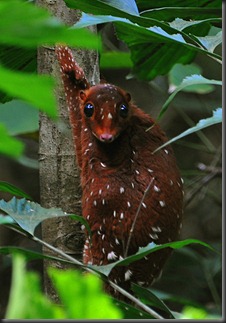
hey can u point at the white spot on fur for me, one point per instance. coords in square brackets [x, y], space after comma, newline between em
[156, 229]
[162, 203]
[112, 255]
[122, 190]
[128, 274]
[156, 188]
[154, 236]
[116, 241]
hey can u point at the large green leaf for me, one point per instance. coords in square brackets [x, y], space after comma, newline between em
[156, 49]
[83, 298]
[27, 301]
[144, 251]
[38, 90]
[170, 13]
[8, 145]
[203, 123]
[144, 4]
[26, 25]
[115, 60]
[19, 117]
[124, 9]
[28, 214]
[129, 6]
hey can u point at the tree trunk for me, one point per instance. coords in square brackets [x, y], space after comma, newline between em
[59, 176]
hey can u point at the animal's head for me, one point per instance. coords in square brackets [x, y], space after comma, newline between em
[106, 110]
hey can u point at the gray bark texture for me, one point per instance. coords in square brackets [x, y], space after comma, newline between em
[59, 176]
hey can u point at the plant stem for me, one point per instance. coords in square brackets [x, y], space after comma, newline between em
[89, 269]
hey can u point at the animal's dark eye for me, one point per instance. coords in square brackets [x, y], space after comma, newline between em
[123, 110]
[88, 110]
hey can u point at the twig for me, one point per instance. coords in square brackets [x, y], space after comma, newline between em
[213, 171]
[73, 260]
[136, 216]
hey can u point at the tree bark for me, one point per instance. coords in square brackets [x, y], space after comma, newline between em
[59, 175]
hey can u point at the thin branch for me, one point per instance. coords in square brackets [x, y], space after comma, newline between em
[213, 171]
[73, 260]
[136, 216]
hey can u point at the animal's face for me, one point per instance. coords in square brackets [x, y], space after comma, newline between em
[106, 111]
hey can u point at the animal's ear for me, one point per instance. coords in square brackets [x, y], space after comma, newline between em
[82, 95]
[128, 97]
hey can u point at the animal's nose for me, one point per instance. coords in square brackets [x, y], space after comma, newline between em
[106, 137]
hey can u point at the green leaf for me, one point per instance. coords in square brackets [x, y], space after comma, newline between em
[154, 49]
[148, 297]
[37, 90]
[170, 13]
[87, 20]
[25, 117]
[194, 313]
[5, 219]
[180, 71]
[124, 5]
[115, 8]
[143, 4]
[28, 214]
[27, 254]
[84, 297]
[181, 24]
[9, 188]
[203, 123]
[114, 60]
[188, 81]
[211, 42]
[144, 251]
[130, 312]
[26, 302]
[27, 25]
[8, 145]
